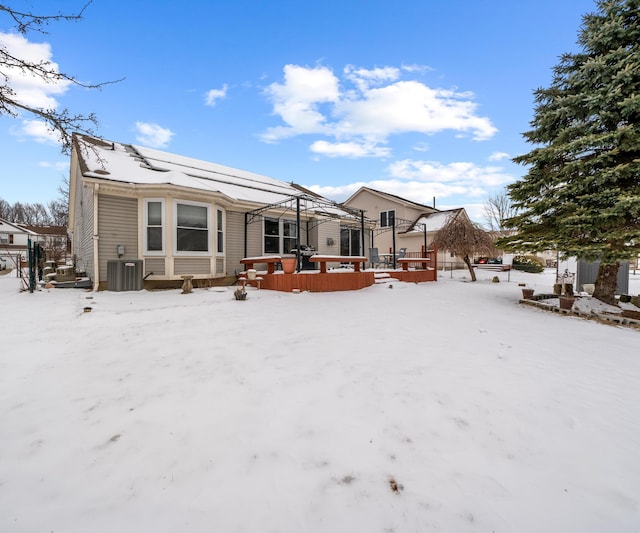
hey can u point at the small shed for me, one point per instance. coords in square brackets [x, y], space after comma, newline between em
[587, 272]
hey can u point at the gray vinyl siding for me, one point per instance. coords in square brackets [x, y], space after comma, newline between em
[329, 230]
[155, 266]
[83, 230]
[191, 265]
[219, 265]
[313, 235]
[235, 240]
[118, 223]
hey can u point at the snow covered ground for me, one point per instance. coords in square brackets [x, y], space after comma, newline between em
[399, 408]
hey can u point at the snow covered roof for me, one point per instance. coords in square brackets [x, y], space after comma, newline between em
[10, 227]
[434, 221]
[112, 161]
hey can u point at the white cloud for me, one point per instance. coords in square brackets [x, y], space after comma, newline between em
[296, 101]
[421, 147]
[59, 165]
[475, 212]
[364, 78]
[465, 173]
[460, 184]
[378, 105]
[410, 106]
[38, 131]
[499, 156]
[349, 149]
[153, 135]
[415, 191]
[31, 90]
[416, 68]
[212, 96]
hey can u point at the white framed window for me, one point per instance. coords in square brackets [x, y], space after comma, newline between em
[192, 228]
[154, 226]
[220, 227]
[350, 239]
[387, 218]
[280, 235]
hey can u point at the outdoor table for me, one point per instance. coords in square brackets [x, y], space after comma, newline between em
[270, 260]
[324, 259]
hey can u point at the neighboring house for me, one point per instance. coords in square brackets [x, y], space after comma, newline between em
[53, 239]
[180, 216]
[426, 227]
[403, 221]
[14, 242]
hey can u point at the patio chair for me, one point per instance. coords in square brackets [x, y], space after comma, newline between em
[402, 253]
[374, 258]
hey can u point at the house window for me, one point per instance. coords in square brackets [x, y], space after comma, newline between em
[220, 231]
[290, 239]
[192, 228]
[350, 241]
[387, 218]
[280, 236]
[154, 226]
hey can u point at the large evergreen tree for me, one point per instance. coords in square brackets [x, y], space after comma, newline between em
[581, 193]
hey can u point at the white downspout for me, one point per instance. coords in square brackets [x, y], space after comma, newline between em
[96, 237]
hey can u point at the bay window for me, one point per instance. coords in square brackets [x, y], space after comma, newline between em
[192, 228]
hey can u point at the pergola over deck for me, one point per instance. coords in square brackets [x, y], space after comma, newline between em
[317, 211]
[404, 226]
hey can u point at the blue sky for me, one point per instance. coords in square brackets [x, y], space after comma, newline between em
[419, 98]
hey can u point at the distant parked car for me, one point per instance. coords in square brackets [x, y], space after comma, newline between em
[489, 261]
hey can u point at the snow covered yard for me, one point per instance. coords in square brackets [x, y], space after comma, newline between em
[419, 407]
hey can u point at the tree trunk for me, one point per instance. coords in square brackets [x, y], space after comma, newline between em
[470, 267]
[606, 283]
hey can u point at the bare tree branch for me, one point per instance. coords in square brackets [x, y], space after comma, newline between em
[61, 123]
[25, 21]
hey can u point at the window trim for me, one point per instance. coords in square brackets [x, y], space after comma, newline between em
[189, 253]
[220, 231]
[145, 243]
[386, 214]
[281, 235]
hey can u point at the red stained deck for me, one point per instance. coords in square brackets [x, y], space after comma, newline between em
[345, 280]
[314, 281]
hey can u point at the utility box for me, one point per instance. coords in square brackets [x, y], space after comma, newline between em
[124, 275]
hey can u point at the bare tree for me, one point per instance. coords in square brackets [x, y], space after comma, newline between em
[35, 214]
[465, 239]
[62, 123]
[58, 213]
[497, 209]
[59, 208]
[4, 209]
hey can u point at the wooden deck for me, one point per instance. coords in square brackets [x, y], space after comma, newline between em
[346, 279]
[315, 281]
[318, 282]
[414, 276]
